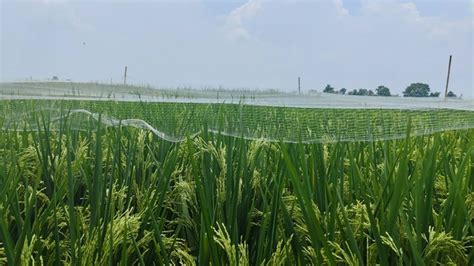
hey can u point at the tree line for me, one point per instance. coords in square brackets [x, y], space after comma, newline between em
[413, 90]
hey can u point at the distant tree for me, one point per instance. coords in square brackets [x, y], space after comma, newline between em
[363, 92]
[434, 94]
[328, 89]
[354, 92]
[417, 90]
[342, 91]
[451, 94]
[55, 78]
[382, 91]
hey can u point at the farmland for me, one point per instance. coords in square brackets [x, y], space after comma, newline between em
[107, 182]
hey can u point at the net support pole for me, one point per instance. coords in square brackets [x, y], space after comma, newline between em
[299, 86]
[125, 76]
[447, 80]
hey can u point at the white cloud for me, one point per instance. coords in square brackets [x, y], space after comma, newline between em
[235, 20]
[387, 42]
[340, 8]
[259, 44]
[408, 13]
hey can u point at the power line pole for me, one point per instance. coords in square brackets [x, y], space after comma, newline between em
[447, 80]
[125, 76]
[299, 86]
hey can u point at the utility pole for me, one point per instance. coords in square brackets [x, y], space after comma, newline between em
[125, 76]
[447, 80]
[299, 86]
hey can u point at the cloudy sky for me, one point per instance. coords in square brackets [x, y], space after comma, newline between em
[252, 44]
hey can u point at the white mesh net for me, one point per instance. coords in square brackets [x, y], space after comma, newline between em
[174, 115]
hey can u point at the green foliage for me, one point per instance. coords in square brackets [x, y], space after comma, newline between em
[419, 90]
[174, 121]
[122, 195]
[451, 94]
[362, 92]
[382, 91]
[329, 89]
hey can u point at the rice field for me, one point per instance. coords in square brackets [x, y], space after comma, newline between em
[230, 184]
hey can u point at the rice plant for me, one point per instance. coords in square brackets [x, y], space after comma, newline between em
[87, 194]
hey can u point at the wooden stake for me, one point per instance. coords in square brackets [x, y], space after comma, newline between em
[447, 80]
[299, 86]
[125, 76]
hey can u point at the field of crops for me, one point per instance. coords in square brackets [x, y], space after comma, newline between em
[102, 91]
[230, 184]
[308, 125]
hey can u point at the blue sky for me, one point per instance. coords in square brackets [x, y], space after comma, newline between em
[445, 8]
[252, 44]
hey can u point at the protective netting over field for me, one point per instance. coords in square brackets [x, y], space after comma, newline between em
[104, 92]
[174, 114]
[176, 121]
